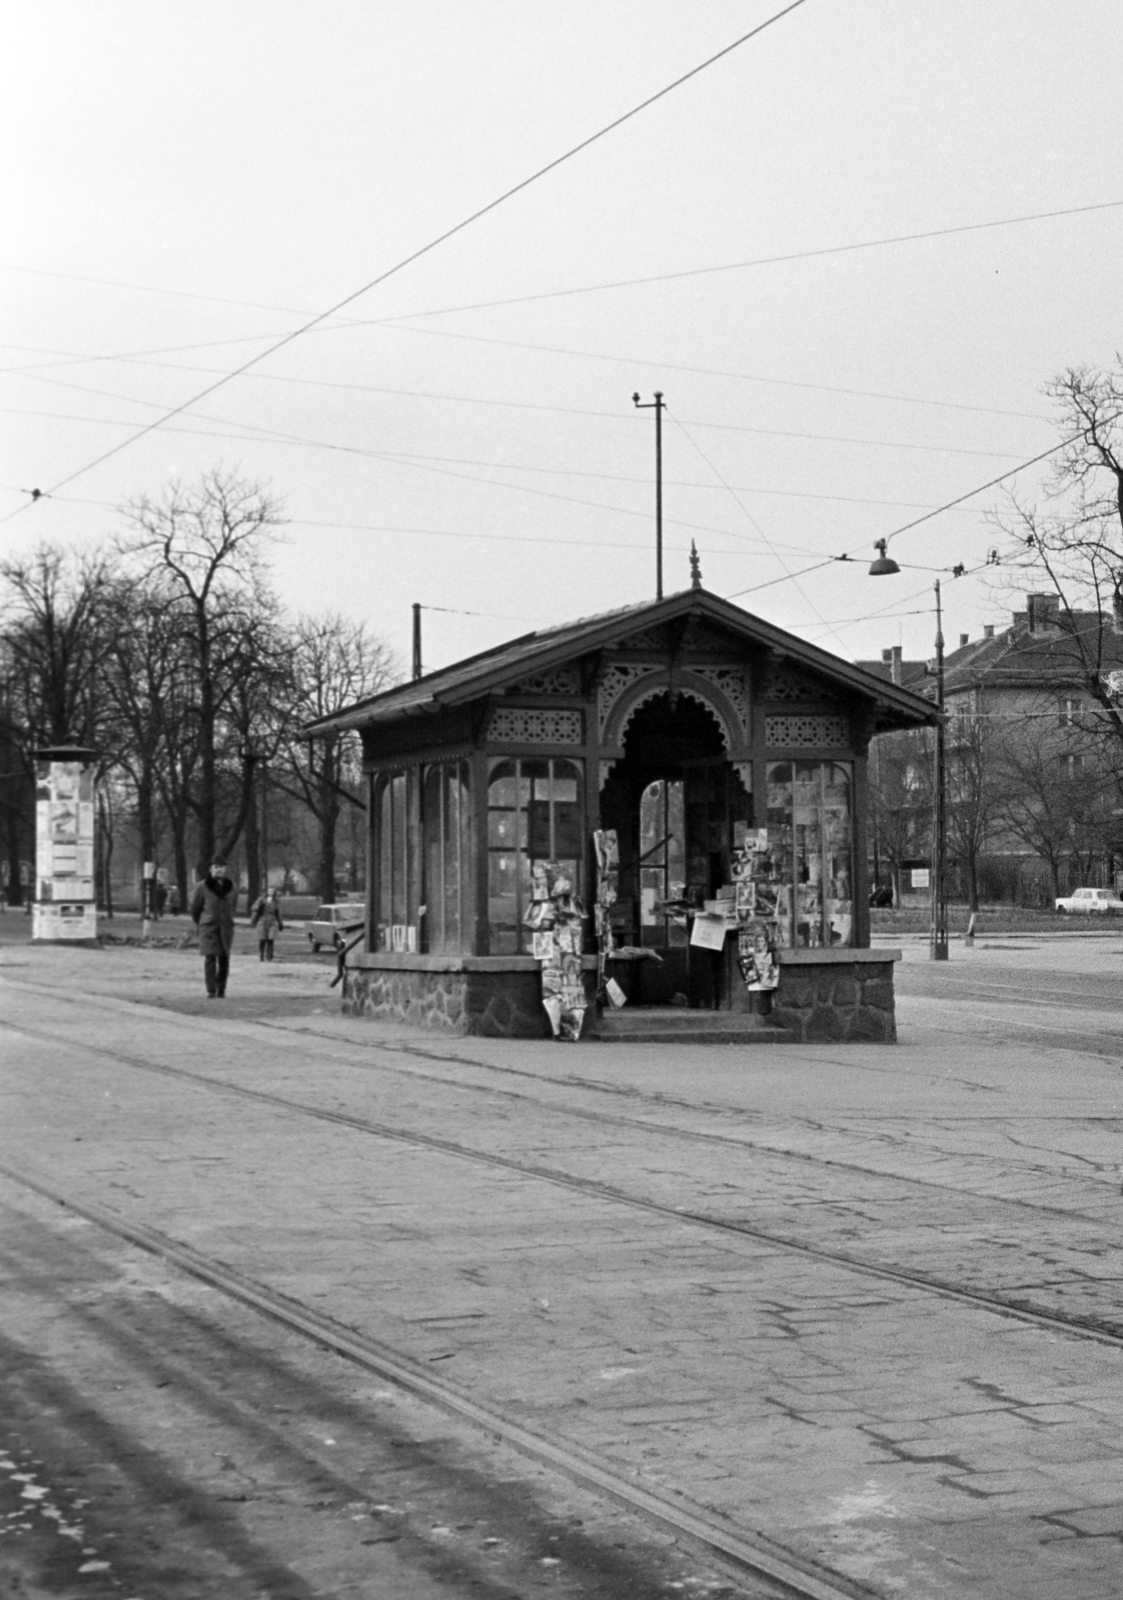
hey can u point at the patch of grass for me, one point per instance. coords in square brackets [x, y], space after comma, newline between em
[989, 919]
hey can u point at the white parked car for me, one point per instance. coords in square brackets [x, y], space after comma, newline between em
[1101, 902]
[332, 924]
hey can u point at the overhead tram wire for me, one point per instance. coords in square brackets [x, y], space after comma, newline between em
[593, 288]
[398, 323]
[773, 549]
[267, 436]
[659, 365]
[611, 416]
[425, 249]
[949, 505]
[759, 261]
[38, 369]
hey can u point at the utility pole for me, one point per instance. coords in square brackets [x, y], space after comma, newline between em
[939, 940]
[656, 405]
[264, 826]
[416, 640]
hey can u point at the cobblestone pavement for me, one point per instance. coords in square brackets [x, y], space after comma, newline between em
[863, 1300]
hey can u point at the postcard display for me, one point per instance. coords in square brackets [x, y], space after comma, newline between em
[65, 906]
[556, 918]
[608, 876]
[757, 897]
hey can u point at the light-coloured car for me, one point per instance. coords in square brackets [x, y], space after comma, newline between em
[332, 924]
[1099, 902]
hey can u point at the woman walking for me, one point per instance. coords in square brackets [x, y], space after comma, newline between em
[267, 912]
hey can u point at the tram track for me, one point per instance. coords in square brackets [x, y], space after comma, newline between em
[1085, 1327]
[742, 1551]
[600, 1118]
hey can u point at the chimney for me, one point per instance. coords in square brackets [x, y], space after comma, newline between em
[1042, 612]
[988, 630]
[895, 664]
[887, 656]
[963, 639]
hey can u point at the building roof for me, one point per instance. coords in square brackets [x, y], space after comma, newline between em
[893, 668]
[498, 668]
[1054, 652]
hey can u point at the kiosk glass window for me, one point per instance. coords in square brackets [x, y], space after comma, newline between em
[447, 833]
[810, 836]
[396, 854]
[534, 813]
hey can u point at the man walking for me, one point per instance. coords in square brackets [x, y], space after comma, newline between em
[212, 912]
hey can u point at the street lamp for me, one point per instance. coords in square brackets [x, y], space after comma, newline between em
[884, 566]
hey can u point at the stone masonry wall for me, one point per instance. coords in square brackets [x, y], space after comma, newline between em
[497, 1005]
[822, 1005]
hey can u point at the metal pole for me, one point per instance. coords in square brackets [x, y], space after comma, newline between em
[658, 495]
[416, 640]
[657, 406]
[265, 827]
[939, 941]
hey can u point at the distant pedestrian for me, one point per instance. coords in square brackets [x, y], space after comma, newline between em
[266, 914]
[212, 912]
[161, 899]
[173, 900]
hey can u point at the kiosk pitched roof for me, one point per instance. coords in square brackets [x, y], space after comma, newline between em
[496, 669]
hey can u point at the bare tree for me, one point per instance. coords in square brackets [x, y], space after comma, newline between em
[1073, 543]
[57, 631]
[900, 800]
[977, 783]
[334, 662]
[204, 549]
[1057, 799]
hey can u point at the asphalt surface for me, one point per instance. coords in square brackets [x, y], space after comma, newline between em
[860, 1305]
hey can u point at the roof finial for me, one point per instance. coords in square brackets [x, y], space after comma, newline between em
[695, 567]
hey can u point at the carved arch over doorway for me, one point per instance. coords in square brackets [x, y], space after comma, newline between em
[689, 687]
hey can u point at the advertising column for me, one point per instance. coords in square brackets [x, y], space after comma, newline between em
[65, 905]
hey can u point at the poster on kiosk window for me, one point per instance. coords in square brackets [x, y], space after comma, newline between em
[65, 907]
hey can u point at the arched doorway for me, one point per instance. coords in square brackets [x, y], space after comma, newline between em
[679, 809]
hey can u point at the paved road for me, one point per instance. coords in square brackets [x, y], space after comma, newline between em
[861, 1303]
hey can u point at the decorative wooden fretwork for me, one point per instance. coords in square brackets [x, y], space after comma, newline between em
[731, 682]
[606, 772]
[616, 680]
[511, 725]
[563, 680]
[651, 639]
[784, 683]
[744, 770]
[688, 693]
[807, 732]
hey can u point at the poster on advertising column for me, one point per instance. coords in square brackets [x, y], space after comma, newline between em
[65, 905]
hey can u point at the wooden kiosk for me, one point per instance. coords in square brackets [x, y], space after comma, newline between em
[691, 729]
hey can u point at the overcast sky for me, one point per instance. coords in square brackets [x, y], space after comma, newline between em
[196, 181]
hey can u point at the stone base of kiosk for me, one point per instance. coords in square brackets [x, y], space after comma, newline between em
[837, 995]
[498, 997]
[824, 997]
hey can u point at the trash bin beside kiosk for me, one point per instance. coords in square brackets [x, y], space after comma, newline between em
[65, 905]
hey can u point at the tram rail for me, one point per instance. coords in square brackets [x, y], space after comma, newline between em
[742, 1550]
[360, 1056]
[1077, 1325]
[746, 1552]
